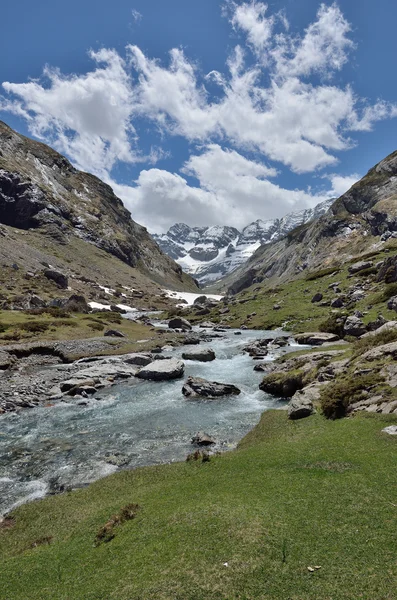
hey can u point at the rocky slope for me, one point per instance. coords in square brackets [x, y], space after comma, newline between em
[53, 213]
[210, 253]
[360, 221]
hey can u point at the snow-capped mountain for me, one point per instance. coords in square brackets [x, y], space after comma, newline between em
[209, 253]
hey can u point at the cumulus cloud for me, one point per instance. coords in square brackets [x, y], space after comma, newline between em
[86, 116]
[277, 98]
[231, 190]
[341, 183]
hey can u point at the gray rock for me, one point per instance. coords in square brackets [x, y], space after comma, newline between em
[354, 326]
[200, 300]
[75, 384]
[179, 323]
[315, 338]
[337, 303]
[360, 266]
[391, 430]
[203, 439]
[196, 387]
[113, 333]
[160, 370]
[317, 297]
[57, 277]
[300, 407]
[389, 325]
[36, 302]
[138, 358]
[380, 352]
[357, 295]
[203, 355]
[392, 303]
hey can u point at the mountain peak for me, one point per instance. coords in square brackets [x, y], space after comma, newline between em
[210, 253]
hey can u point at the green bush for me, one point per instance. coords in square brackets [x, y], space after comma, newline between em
[378, 339]
[389, 291]
[34, 326]
[336, 397]
[333, 324]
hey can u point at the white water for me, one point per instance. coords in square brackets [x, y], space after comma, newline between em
[138, 422]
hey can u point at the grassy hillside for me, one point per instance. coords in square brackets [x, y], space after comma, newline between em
[245, 525]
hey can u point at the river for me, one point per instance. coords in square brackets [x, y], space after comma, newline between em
[51, 448]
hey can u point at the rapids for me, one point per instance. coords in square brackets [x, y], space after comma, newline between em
[52, 448]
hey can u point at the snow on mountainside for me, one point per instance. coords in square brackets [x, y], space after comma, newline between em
[209, 253]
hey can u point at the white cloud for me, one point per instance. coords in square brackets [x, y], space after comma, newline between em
[136, 15]
[269, 107]
[251, 19]
[341, 183]
[232, 190]
[86, 116]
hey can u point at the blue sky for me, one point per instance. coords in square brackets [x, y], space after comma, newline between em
[206, 112]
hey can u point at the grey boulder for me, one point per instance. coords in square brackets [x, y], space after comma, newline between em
[179, 323]
[160, 370]
[203, 439]
[203, 355]
[300, 406]
[196, 387]
[354, 326]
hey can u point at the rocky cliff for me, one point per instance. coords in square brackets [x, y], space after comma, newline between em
[358, 222]
[43, 196]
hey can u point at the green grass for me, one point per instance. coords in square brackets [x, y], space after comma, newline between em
[294, 495]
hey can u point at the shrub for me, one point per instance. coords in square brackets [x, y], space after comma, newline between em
[336, 397]
[106, 533]
[96, 326]
[378, 339]
[34, 326]
[389, 291]
[333, 324]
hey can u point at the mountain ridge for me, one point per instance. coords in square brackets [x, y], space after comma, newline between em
[211, 253]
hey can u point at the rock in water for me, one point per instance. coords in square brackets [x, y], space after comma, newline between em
[203, 439]
[179, 323]
[203, 355]
[196, 386]
[160, 370]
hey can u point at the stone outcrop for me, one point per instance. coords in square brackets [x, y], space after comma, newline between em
[315, 338]
[300, 407]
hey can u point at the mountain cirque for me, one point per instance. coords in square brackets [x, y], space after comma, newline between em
[53, 214]
[210, 253]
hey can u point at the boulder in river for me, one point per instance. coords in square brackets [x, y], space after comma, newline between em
[202, 355]
[179, 323]
[203, 439]
[160, 370]
[197, 386]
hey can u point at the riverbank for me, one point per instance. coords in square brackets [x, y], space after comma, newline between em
[253, 523]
